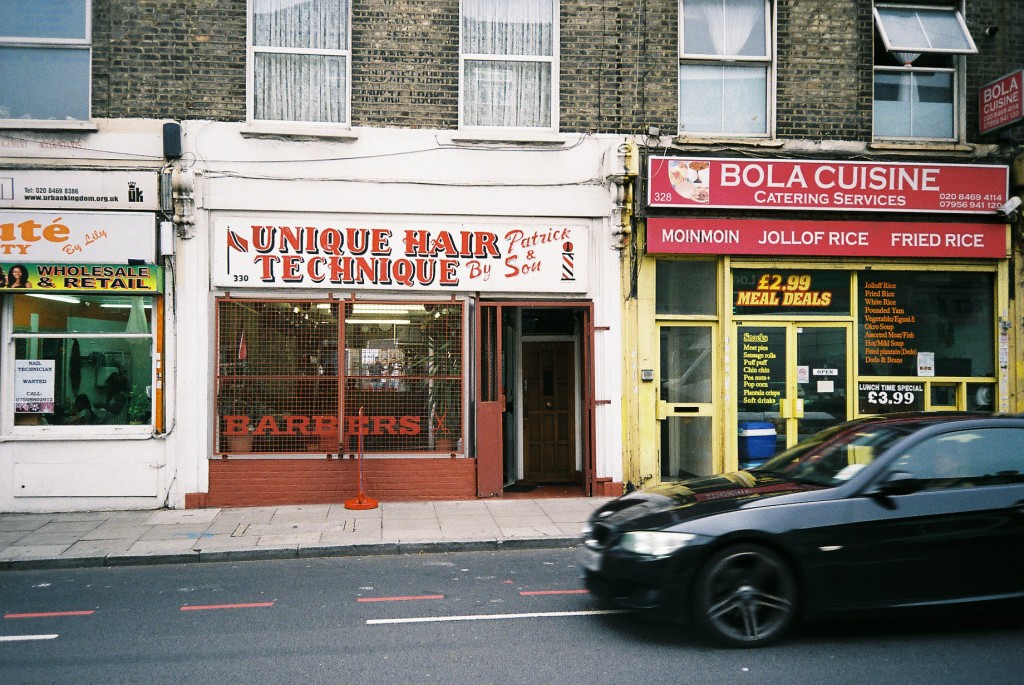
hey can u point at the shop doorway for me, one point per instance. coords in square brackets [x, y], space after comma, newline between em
[534, 398]
[793, 381]
[549, 412]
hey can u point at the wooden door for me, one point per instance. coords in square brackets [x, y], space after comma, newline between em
[490, 403]
[549, 412]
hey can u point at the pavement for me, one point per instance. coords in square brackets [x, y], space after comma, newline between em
[174, 536]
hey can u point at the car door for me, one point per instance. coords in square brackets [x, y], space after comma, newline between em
[959, 536]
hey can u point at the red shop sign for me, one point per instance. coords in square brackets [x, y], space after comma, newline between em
[825, 238]
[846, 186]
[1001, 102]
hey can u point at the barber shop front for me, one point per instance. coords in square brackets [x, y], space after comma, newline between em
[389, 352]
[786, 296]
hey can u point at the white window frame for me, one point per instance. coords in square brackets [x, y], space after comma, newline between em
[552, 60]
[78, 432]
[274, 125]
[768, 60]
[84, 43]
[957, 71]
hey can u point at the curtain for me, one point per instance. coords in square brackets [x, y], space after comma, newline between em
[296, 85]
[507, 92]
[514, 27]
[730, 24]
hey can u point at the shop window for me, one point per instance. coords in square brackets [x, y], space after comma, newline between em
[509, 64]
[300, 61]
[283, 387]
[918, 68]
[83, 360]
[45, 62]
[724, 67]
[926, 323]
[683, 287]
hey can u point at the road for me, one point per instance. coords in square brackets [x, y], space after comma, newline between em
[471, 617]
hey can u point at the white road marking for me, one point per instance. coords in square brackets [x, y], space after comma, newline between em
[493, 617]
[20, 638]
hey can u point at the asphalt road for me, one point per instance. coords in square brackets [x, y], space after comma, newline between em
[471, 617]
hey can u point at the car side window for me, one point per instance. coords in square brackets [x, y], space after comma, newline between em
[969, 458]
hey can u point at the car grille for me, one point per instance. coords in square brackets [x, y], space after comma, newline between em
[602, 536]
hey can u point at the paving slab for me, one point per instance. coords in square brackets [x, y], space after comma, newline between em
[118, 538]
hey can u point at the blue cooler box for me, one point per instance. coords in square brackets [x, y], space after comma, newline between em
[757, 443]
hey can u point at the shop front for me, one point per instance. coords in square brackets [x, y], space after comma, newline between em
[788, 296]
[433, 359]
[82, 298]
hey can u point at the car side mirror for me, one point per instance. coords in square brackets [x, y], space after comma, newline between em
[897, 483]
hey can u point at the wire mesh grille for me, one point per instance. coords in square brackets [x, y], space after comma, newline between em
[279, 376]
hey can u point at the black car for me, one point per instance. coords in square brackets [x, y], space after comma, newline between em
[910, 510]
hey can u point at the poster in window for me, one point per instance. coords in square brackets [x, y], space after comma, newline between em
[34, 386]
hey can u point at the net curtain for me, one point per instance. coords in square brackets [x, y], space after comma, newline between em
[512, 92]
[300, 60]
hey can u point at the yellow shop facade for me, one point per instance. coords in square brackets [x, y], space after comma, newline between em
[774, 298]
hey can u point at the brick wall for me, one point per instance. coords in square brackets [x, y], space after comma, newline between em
[824, 80]
[405, 63]
[169, 60]
[266, 482]
[186, 60]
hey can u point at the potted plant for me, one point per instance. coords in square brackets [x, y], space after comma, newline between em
[139, 407]
[240, 414]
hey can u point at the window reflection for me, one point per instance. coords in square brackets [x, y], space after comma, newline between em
[83, 359]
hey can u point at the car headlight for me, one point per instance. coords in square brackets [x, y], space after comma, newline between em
[654, 543]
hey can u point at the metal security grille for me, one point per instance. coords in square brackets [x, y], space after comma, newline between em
[279, 374]
[403, 369]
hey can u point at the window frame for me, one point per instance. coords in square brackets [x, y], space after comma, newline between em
[957, 72]
[83, 43]
[554, 60]
[251, 52]
[768, 60]
[286, 426]
[103, 430]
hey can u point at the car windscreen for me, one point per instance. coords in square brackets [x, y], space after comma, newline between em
[833, 456]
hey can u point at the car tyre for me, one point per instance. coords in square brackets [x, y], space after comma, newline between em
[745, 596]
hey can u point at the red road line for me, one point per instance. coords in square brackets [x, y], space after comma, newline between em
[554, 592]
[48, 614]
[398, 599]
[227, 606]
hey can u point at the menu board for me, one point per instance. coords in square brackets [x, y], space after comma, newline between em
[762, 359]
[889, 335]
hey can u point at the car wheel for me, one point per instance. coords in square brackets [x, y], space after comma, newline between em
[745, 596]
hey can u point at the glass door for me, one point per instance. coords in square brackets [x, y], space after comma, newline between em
[822, 379]
[792, 381]
[686, 400]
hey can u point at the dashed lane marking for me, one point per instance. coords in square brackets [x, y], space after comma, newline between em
[408, 598]
[23, 638]
[493, 617]
[49, 614]
[528, 593]
[208, 607]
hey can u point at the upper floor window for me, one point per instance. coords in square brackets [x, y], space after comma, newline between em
[45, 62]
[299, 61]
[918, 68]
[509, 64]
[724, 67]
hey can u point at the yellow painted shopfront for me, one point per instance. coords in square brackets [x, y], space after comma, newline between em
[777, 298]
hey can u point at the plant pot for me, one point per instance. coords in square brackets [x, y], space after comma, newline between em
[240, 442]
